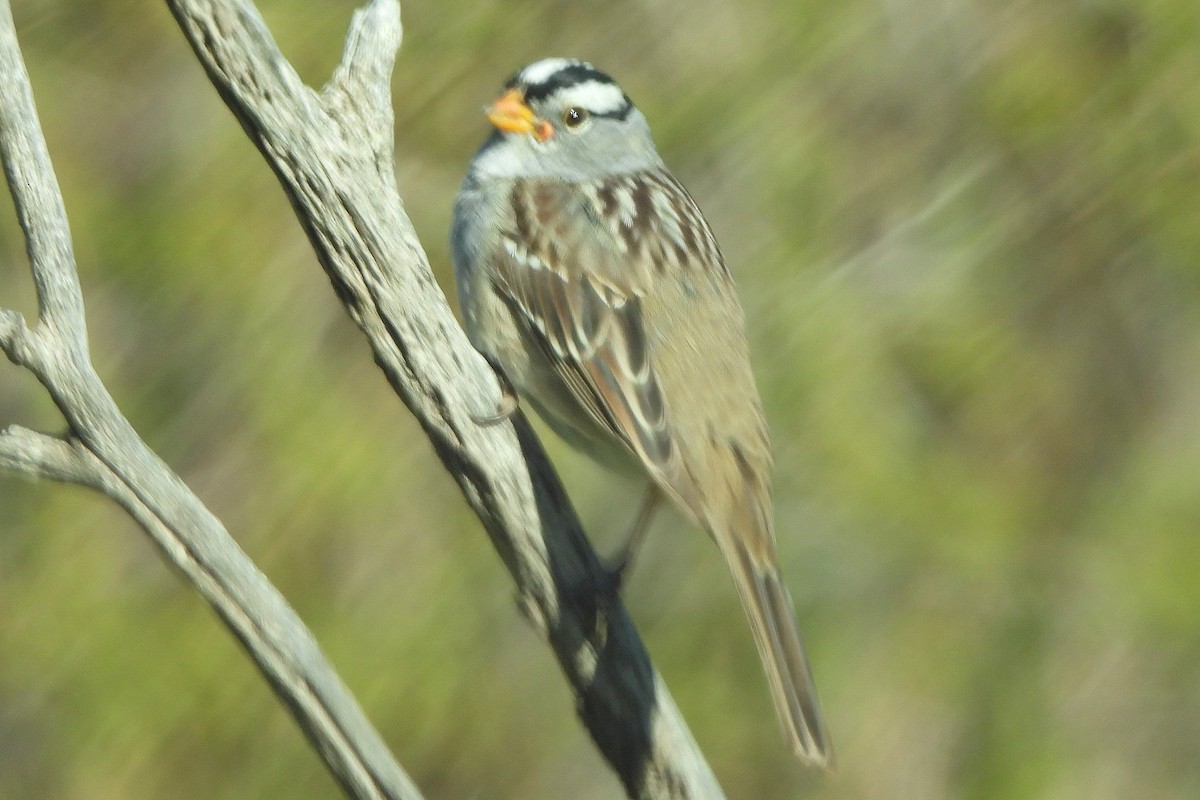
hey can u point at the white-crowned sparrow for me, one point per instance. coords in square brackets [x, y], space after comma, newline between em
[587, 274]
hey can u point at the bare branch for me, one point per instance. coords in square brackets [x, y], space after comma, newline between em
[332, 155]
[41, 455]
[104, 452]
[38, 202]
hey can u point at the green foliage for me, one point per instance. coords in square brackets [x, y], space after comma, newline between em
[967, 238]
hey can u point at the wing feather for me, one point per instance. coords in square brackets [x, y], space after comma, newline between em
[578, 287]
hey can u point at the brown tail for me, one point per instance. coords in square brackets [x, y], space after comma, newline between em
[773, 622]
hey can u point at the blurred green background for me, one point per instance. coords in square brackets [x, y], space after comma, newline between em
[967, 236]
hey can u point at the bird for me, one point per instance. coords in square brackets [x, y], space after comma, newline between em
[589, 278]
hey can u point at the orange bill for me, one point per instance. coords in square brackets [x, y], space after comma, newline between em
[510, 113]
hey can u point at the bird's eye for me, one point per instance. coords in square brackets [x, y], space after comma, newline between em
[574, 117]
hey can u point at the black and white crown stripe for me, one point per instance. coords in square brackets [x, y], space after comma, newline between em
[577, 83]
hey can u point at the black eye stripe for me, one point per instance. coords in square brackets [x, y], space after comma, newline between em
[620, 113]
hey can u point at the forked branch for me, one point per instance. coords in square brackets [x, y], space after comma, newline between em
[102, 451]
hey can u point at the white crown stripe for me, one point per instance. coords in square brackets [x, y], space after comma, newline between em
[541, 71]
[596, 97]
